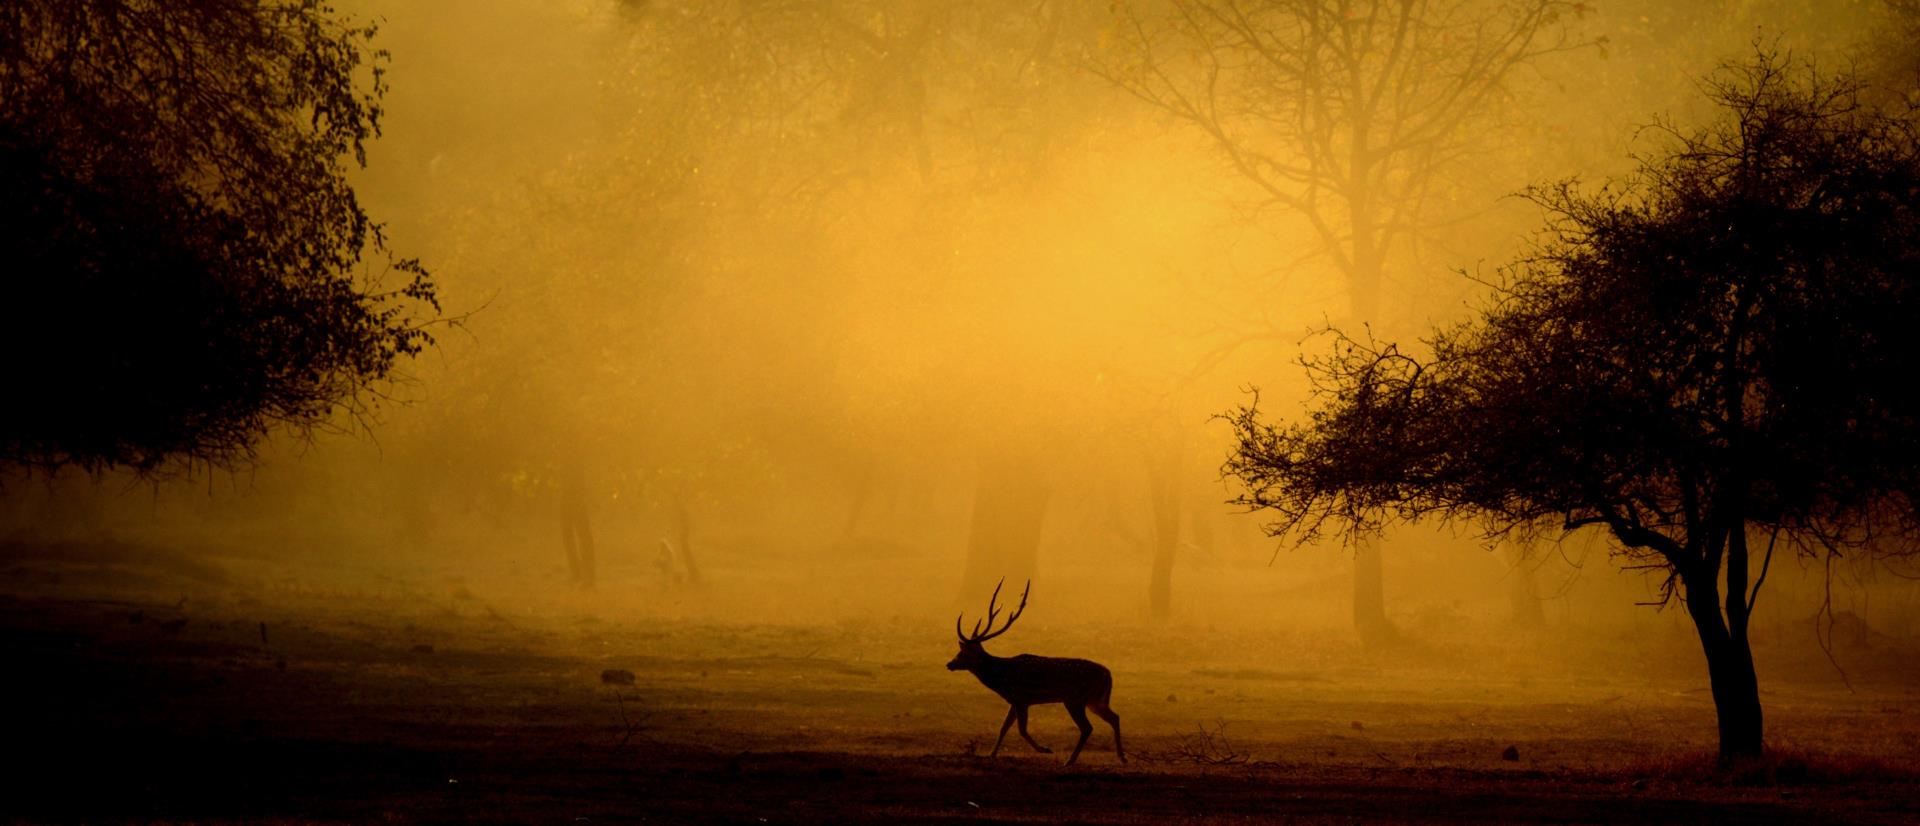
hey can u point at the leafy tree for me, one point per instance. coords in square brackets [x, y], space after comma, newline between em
[188, 264]
[1710, 362]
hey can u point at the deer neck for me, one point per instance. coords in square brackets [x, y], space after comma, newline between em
[991, 670]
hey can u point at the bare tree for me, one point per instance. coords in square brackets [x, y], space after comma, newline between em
[1348, 114]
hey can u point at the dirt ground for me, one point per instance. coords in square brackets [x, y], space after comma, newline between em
[300, 704]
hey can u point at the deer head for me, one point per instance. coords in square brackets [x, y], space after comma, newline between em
[972, 654]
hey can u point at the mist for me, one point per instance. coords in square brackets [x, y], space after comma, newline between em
[760, 288]
[828, 317]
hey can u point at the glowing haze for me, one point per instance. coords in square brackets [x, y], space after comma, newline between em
[775, 295]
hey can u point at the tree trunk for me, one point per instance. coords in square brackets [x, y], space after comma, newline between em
[1369, 575]
[1009, 507]
[684, 522]
[1369, 595]
[576, 532]
[1523, 594]
[1736, 701]
[1160, 590]
[1163, 486]
[862, 492]
[1166, 541]
[1736, 688]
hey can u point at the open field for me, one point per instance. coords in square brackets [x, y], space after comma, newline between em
[292, 705]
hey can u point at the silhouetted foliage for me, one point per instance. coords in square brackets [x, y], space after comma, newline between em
[187, 265]
[1721, 348]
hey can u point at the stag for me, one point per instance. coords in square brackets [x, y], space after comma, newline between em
[1029, 680]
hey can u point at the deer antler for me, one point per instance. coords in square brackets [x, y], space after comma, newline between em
[993, 611]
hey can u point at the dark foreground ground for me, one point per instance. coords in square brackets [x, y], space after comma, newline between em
[331, 707]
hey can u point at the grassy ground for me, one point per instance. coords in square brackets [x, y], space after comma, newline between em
[293, 705]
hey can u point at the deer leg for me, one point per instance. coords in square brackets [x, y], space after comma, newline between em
[1011, 711]
[1079, 715]
[1023, 733]
[1100, 708]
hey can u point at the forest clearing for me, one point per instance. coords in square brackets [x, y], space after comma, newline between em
[579, 411]
[388, 703]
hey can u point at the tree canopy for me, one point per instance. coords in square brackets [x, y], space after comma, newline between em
[188, 265]
[1720, 347]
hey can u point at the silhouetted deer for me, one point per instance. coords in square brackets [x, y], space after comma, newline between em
[1028, 680]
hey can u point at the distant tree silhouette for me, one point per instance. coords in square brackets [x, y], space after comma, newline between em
[1352, 116]
[187, 265]
[1893, 65]
[1711, 361]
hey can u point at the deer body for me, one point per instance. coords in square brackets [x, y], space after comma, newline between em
[1029, 680]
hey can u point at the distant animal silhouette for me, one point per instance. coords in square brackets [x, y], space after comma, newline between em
[1029, 680]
